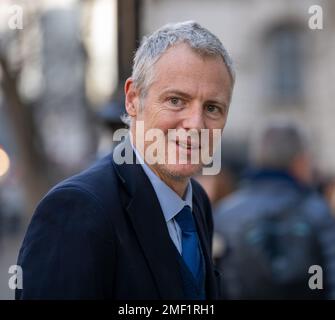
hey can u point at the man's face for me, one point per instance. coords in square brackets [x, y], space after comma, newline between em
[190, 92]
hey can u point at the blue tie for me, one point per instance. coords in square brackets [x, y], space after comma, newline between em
[190, 242]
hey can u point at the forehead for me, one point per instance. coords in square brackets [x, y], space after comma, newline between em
[181, 66]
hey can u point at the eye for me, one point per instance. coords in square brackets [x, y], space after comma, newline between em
[213, 109]
[175, 101]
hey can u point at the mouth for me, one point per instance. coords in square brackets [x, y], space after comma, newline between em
[187, 145]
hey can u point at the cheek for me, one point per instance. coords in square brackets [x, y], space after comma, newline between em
[169, 122]
[161, 119]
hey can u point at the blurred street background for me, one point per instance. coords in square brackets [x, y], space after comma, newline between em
[61, 88]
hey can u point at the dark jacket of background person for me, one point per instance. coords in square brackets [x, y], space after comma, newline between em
[102, 234]
[265, 191]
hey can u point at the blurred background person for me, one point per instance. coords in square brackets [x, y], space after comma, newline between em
[276, 225]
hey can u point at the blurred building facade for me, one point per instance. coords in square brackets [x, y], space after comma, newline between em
[284, 68]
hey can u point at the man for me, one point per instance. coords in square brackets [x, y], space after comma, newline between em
[276, 226]
[143, 230]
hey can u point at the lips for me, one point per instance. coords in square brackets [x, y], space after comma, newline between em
[188, 144]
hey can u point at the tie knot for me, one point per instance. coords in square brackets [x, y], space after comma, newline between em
[185, 220]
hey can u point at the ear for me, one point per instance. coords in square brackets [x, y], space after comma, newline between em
[132, 98]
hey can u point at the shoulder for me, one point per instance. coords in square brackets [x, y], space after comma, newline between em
[97, 185]
[79, 204]
[95, 181]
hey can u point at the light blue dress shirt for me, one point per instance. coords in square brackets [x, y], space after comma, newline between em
[171, 203]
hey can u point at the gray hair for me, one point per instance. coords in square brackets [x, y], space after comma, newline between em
[277, 144]
[154, 46]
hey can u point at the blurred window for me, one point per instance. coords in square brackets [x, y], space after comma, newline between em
[286, 53]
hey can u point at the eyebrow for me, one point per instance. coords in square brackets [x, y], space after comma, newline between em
[189, 97]
[177, 92]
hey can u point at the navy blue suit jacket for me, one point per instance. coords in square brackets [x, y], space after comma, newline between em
[102, 235]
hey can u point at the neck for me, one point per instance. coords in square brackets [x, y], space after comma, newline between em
[177, 184]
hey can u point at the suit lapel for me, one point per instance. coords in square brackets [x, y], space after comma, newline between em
[151, 231]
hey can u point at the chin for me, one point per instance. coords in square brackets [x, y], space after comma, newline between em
[181, 171]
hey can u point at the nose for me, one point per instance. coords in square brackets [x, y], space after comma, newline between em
[194, 118]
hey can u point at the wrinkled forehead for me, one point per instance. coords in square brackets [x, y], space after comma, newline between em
[185, 68]
[181, 53]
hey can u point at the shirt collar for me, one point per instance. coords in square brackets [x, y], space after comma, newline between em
[170, 202]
